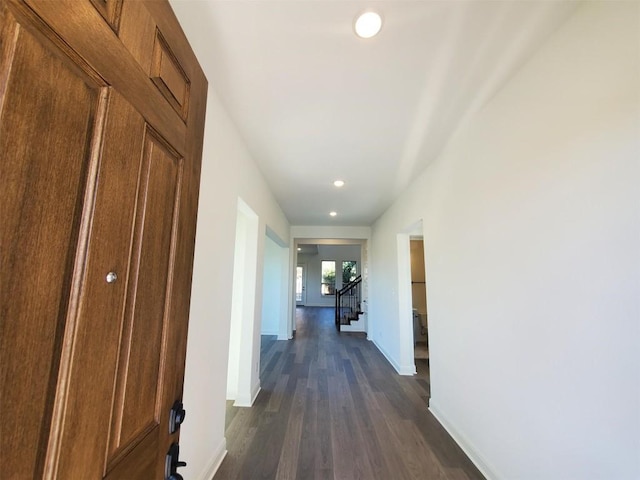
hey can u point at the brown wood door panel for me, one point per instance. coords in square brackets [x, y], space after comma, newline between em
[110, 11]
[148, 464]
[104, 151]
[137, 32]
[43, 185]
[139, 407]
[168, 75]
[120, 334]
[92, 340]
[163, 60]
[82, 27]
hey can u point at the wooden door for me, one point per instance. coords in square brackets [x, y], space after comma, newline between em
[101, 125]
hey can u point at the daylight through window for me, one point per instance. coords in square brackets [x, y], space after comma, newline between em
[349, 272]
[328, 277]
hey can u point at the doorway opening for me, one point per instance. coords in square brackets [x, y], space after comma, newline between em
[419, 303]
[243, 383]
[275, 286]
[412, 302]
[324, 266]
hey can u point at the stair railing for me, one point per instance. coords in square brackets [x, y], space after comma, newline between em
[348, 302]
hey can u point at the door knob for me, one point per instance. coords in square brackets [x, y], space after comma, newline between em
[176, 416]
[111, 277]
[172, 463]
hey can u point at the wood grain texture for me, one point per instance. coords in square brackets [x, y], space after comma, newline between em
[110, 10]
[99, 174]
[48, 111]
[331, 407]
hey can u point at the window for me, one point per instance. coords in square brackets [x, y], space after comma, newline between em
[299, 282]
[328, 277]
[349, 272]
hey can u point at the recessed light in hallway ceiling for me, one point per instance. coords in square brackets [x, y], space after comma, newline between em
[368, 24]
[333, 214]
[339, 183]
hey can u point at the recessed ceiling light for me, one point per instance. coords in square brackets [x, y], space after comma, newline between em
[339, 183]
[333, 214]
[299, 249]
[368, 24]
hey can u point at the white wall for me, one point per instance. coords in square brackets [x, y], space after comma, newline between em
[243, 381]
[272, 288]
[228, 172]
[202, 437]
[531, 228]
[318, 231]
[242, 268]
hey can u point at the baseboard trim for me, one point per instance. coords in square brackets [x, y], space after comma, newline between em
[407, 370]
[255, 393]
[464, 444]
[215, 462]
[402, 370]
[246, 401]
[354, 327]
[384, 353]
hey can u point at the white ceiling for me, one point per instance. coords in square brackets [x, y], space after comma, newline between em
[315, 103]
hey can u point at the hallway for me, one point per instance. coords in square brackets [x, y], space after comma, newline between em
[332, 407]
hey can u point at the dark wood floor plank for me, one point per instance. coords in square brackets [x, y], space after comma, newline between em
[268, 367]
[288, 463]
[309, 430]
[341, 441]
[456, 474]
[276, 395]
[323, 438]
[392, 451]
[333, 408]
[239, 436]
[262, 457]
[350, 459]
[364, 425]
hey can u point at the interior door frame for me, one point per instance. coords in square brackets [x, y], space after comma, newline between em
[405, 306]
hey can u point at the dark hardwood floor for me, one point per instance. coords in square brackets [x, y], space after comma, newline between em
[331, 407]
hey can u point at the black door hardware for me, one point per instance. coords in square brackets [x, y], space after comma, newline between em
[172, 463]
[176, 416]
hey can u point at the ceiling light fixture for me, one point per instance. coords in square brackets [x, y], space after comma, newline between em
[333, 214]
[339, 183]
[368, 24]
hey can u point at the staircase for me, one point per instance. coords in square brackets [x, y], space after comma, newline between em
[349, 303]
